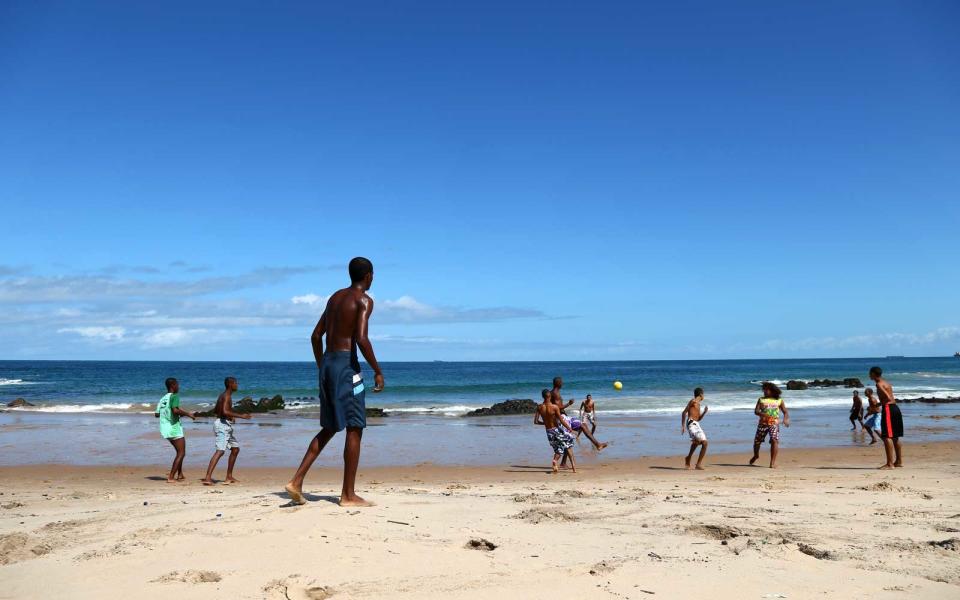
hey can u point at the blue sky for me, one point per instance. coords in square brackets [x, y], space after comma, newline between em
[532, 180]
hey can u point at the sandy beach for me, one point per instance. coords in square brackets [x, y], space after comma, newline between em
[827, 524]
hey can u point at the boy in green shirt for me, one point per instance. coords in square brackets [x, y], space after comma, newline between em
[169, 413]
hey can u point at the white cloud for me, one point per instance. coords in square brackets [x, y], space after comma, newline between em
[868, 341]
[174, 336]
[107, 334]
[310, 299]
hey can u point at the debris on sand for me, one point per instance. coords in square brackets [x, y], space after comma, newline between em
[816, 552]
[717, 532]
[190, 576]
[539, 515]
[481, 544]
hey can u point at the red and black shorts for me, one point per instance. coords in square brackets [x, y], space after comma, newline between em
[891, 422]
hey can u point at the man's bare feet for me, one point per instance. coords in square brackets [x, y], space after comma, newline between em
[699, 468]
[180, 477]
[171, 480]
[556, 469]
[872, 442]
[753, 460]
[355, 501]
[207, 481]
[886, 467]
[230, 480]
[898, 465]
[602, 446]
[773, 466]
[296, 495]
[686, 461]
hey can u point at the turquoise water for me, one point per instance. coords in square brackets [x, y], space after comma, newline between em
[450, 389]
[101, 412]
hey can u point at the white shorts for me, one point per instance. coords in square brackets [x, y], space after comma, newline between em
[223, 431]
[695, 431]
[589, 418]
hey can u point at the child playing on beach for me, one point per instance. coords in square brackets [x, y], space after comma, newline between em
[768, 409]
[588, 414]
[223, 430]
[856, 411]
[872, 422]
[891, 421]
[169, 413]
[690, 423]
[558, 434]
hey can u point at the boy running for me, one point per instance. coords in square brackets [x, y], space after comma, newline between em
[856, 411]
[558, 434]
[768, 409]
[690, 423]
[223, 430]
[891, 421]
[169, 413]
[872, 422]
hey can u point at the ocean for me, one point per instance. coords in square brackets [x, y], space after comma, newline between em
[453, 388]
[90, 412]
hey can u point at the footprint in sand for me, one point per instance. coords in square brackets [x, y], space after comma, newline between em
[296, 587]
[189, 576]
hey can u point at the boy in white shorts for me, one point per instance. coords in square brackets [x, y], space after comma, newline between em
[690, 424]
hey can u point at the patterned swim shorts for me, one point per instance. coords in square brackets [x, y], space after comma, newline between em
[559, 439]
[763, 430]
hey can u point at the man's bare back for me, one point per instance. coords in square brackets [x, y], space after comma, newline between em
[885, 391]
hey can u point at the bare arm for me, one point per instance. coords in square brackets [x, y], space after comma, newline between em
[683, 418]
[228, 411]
[786, 413]
[757, 410]
[363, 341]
[704, 413]
[537, 417]
[316, 339]
[182, 413]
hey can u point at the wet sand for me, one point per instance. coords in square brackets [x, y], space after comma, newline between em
[827, 524]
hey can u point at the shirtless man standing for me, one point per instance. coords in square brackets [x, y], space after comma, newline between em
[342, 395]
[690, 424]
[588, 414]
[891, 421]
[558, 434]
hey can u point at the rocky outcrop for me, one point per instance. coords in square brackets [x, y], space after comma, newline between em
[508, 407]
[849, 382]
[18, 403]
[378, 413]
[793, 384]
[247, 405]
[930, 400]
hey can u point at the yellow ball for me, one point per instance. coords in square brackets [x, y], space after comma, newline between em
[617, 385]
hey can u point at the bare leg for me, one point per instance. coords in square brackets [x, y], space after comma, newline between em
[208, 480]
[693, 447]
[295, 486]
[703, 452]
[873, 438]
[573, 464]
[351, 460]
[774, 450]
[756, 453]
[234, 452]
[888, 449]
[556, 457]
[596, 444]
[179, 447]
[898, 449]
[853, 421]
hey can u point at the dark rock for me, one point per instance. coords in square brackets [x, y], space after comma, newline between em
[796, 385]
[850, 382]
[247, 405]
[378, 413]
[931, 400]
[18, 403]
[508, 407]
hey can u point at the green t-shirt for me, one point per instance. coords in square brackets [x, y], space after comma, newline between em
[169, 421]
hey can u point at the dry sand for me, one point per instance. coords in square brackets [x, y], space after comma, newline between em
[826, 524]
